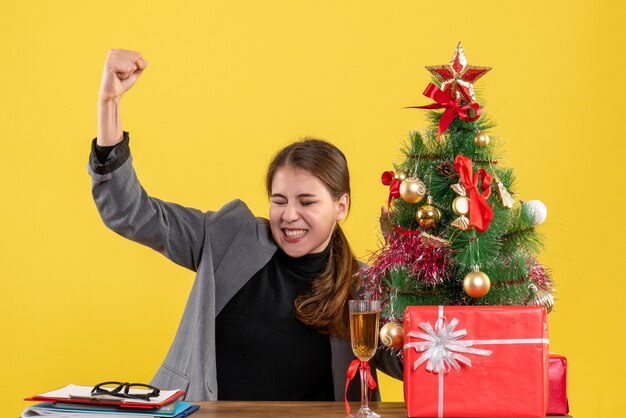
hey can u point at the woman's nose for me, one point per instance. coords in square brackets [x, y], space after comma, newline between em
[290, 213]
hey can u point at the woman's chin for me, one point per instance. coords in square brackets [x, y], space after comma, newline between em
[293, 250]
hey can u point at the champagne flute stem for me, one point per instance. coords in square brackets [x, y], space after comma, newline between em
[363, 388]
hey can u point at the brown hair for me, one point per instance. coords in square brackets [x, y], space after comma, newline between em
[325, 306]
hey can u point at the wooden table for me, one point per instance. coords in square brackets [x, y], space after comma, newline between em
[294, 409]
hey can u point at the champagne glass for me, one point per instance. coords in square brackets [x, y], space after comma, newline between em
[364, 336]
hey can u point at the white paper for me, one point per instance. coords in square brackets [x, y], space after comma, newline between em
[70, 391]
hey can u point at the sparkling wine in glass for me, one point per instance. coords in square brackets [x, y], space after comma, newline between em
[364, 315]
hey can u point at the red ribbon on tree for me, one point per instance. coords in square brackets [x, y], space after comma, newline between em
[453, 107]
[389, 179]
[352, 369]
[480, 212]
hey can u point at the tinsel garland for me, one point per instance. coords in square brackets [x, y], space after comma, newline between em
[539, 275]
[426, 263]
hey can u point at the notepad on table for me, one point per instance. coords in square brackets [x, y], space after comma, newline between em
[82, 395]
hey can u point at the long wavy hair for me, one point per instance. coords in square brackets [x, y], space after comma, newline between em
[325, 306]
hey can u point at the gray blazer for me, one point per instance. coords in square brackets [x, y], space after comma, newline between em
[225, 249]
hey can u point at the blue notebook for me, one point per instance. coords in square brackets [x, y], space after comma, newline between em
[182, 409]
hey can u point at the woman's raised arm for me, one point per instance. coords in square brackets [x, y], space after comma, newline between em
[122, 68]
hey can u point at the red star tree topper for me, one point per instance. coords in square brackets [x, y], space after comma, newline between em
[457, 78]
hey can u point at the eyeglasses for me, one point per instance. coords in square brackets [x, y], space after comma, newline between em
[123, 390]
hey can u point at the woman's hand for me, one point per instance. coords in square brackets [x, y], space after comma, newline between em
[121, 70]
[385, 223]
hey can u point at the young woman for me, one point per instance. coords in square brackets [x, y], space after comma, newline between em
[267, 315]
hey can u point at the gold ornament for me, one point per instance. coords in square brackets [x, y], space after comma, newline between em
[392, 335]
[400, 175]
[412, 190]
[428, 215]
[545, 299]
[462, 223]
[460, 205]
[505, 196]
[476, 283]
[481, 139]
[459, 189]
[541, 297]
[437, 242]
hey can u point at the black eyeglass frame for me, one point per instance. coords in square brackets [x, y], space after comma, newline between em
[122, 390]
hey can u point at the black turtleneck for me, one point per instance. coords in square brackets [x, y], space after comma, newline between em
[263, 352]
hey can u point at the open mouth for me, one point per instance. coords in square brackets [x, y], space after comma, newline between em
[294, 234]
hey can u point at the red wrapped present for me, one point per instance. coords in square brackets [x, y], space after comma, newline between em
[476, 361]
[557, 398]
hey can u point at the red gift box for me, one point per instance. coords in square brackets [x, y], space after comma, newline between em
[557, 399]
[476, 361]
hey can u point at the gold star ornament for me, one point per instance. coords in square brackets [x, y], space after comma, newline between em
[457, 78]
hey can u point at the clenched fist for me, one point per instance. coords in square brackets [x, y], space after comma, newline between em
[121, 70]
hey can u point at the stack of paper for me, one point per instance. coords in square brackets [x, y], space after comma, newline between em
[75, 401]
[50, 409]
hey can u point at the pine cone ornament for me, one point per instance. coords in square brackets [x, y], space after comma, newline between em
[446, 169]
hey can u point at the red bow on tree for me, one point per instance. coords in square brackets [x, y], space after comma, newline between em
[480, 212]
[453, 107]
[352, 369]
[389, 179]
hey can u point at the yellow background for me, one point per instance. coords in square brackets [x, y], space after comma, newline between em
[231, 82]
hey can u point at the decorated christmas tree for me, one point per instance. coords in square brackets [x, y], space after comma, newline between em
[457, 232]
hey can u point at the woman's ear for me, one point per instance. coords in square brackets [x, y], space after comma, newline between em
[343, 204]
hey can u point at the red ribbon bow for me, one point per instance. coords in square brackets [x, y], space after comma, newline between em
[354, 366]
[453, 107]
[480, 213]
[389, 179]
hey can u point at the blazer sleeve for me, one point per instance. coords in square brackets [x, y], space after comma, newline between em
[175, 231]
[389, 363]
